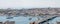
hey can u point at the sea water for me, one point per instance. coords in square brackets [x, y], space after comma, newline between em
[25, 20]
[18, 20]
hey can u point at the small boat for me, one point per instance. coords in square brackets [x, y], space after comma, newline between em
[9, 17]
[30, 18]
[16, 16]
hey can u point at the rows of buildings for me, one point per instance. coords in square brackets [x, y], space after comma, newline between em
[31, 12]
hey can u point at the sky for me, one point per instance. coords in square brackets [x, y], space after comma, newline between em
[29, 3]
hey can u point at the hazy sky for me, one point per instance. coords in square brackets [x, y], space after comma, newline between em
[29, 3]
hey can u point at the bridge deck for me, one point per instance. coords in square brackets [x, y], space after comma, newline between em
[47, 17]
